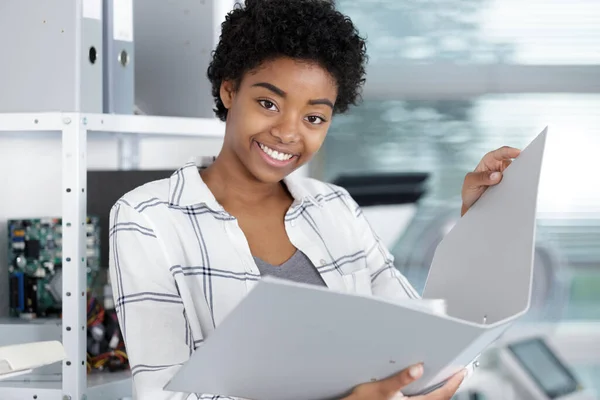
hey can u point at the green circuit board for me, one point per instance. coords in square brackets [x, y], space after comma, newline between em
[35, 264]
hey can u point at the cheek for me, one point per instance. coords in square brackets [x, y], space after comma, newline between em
[248, 123]
[313, 141]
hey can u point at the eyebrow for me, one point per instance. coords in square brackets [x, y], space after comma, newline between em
[283, 94]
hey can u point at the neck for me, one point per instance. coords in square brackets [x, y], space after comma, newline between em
[232, 184]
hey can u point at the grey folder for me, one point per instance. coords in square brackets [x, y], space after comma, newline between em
[51, 56]
[294, 342]
[118, 57]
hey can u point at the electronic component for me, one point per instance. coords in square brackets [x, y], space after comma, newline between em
[35, 264]
[55, 285]
[32, 249]
[551, 376]
[36, 287]
[105, 345]
[537, 372]
[17, 291]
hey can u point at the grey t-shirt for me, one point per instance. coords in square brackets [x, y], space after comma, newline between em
[298, 268]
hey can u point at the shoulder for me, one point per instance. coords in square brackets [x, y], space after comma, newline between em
[154, 193]
[317, 188]
[327, 195]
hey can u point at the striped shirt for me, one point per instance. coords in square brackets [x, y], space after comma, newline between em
[179, 263]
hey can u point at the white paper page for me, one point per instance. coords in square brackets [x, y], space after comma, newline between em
[92, 9]
[23, 357]
[123, 20]
[436, 306]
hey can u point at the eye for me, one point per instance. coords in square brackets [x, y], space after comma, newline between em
[315, 119]
[269, 105]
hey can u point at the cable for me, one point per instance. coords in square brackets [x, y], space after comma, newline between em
[106, 348]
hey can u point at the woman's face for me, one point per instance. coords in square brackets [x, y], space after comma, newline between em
[278, 117]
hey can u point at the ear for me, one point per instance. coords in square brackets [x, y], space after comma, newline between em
[227, 93]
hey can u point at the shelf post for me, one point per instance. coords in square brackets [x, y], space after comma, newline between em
[129, 151]
[74, 210]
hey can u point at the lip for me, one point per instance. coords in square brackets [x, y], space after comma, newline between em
[272, 162]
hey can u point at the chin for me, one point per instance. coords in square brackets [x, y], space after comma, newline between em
[265, 175]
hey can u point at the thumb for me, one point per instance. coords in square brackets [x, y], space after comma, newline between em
[494, 176]
[476, 180]
[475, 184]
[394, 383]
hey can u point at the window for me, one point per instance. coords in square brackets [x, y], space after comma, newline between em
[480, 31]
[448, 138]
[450, 80]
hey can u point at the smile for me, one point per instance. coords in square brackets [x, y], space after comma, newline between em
[274, 154]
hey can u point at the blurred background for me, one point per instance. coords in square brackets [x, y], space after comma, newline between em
[451, 80]
[448, 81]
[444, 122]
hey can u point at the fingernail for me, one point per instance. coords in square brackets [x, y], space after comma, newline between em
[495, 176]
[416, 371]
[398, 396]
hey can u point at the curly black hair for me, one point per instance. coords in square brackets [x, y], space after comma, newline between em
[309, 30]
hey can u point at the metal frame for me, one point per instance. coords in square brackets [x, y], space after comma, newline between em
[74, 128]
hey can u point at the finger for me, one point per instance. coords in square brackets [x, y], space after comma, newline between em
[449, 389]
[394, 383]
[504, 153]
[505, 164]
[475, 180]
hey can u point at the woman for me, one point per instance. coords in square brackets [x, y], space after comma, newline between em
[186, 250]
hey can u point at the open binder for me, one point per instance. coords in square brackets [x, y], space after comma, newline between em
[287, 341]
[22, 359]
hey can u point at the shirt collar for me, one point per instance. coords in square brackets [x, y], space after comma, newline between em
[186, 187]
[299, 191]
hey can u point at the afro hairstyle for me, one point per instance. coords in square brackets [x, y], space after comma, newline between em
[306, 30]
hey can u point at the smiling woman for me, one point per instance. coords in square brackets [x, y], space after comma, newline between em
[185, 251]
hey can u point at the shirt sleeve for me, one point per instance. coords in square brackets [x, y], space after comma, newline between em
[386, 279]
[150, 311]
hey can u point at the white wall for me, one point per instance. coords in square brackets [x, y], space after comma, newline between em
[30, 175]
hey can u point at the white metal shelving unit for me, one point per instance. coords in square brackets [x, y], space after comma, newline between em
[74, 128]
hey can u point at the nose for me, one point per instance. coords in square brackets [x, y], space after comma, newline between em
[287, 130]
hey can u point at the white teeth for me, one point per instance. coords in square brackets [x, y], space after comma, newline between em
[274, 154]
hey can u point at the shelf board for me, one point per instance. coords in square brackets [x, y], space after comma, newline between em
[109, 385]
[113, 123]
[16, 321]
[101, 385]
[46, 382]
[8, 392]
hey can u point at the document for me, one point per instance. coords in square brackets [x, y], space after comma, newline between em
[288, 341]
[23, 358]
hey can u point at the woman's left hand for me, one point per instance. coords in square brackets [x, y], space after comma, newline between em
[488, 173]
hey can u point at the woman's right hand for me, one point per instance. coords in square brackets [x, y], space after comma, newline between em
[391, 388]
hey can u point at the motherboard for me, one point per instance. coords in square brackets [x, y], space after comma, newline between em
[35, 264]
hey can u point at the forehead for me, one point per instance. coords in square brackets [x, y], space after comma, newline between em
[295, 77]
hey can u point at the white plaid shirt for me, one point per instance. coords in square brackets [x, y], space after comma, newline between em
[179, 263]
